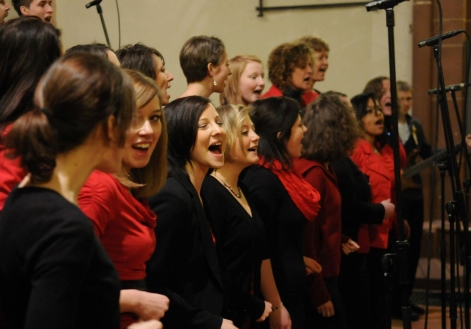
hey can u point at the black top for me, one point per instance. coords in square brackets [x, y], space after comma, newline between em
[284, 226]
[54, 273]
[240, 236]
[355, 191]
[185, 260]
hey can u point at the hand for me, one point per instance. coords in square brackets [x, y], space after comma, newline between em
[311, 266]
[326, 310]
[350, 246]
[280, 319]
[266, 312]
[227, 324]
[151, 324]
[148, 306]
[388, 208]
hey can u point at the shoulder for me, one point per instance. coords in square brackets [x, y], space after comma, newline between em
[303, 166]
[272, 92]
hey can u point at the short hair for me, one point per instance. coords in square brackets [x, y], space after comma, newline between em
[18, 3]
[99, 49]
[28, 47]
[151, 177]
[360, 106]
[403, 86]
[315, 42]
[284, 59]
[76, 95]
[375, 86]
[237, 65]
[139, 57]
[197, 53]
[332, 129]
[182, 126]
[271, 116]
[232, 117]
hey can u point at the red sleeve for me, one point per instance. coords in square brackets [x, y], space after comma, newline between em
[11, 174]
[96, 199]
[317, 291]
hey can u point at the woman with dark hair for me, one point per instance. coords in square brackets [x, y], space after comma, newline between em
[290, 68]
[331, 134]
[185, 260]
[286, 202]
[374, 158]
[204, 63]
[235, 222]
[117, 205]
[149, 62]
[28, 47]
[50, 260]
[380, 87]
[99, 49]
[245, 84]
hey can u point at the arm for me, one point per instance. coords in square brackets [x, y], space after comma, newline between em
[145, 305]
[279, 318]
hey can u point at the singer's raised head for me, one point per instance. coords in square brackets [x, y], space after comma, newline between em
[40, 8]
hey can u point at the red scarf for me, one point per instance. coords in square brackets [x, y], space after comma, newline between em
[303, 194]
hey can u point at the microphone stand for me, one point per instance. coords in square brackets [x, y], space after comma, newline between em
[402, 245]
[100, 13]
[457, 208]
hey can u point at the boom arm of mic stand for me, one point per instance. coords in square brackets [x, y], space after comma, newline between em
[100, 13]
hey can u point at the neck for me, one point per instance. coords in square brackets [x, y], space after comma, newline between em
[197, 174]
[201, 88]
[370, 139]
[229, 173]
[71, 171]
[401, 117]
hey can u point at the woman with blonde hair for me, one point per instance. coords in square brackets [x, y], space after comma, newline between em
[118, 208]
[245, 84]
[235, 222]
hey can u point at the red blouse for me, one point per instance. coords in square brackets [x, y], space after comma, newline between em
[124, 224]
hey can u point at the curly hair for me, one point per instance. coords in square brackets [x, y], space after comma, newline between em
[284, 59]
[332, 129]
[375, 86]
[315, 42]
[237, 65]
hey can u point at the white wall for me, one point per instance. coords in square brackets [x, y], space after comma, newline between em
[357, 39]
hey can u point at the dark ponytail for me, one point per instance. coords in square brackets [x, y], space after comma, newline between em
[76, 95]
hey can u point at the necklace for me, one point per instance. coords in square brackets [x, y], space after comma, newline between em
[237, 195]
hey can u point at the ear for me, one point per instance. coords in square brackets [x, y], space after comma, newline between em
[278, 134]
[210, 69]
[111, 129]
[24, 10]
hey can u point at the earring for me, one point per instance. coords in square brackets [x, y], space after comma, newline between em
[215, 83]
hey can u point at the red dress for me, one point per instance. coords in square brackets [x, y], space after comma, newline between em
[124, 225]
[307, 97]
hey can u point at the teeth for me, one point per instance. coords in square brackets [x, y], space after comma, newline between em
[142, 146]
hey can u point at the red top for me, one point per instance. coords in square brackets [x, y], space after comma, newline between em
[380, 170]
[124, 224]
[308, 96]
[323, 236]
[11, 172]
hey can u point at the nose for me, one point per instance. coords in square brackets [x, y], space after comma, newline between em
[7, 7]
[169, 75]
[309, 69]
[304, 129]
[146, 128]
[261, 82]
[253, 136]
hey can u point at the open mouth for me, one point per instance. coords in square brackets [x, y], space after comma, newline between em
[48, 19]
[216, 148]
[307, 79]
[388, 104]
[379, 122]
[258, 92]
[322, 69]
[141, 147]
[253, 149]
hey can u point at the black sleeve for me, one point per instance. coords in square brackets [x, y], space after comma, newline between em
[355, 209]
[424, 147]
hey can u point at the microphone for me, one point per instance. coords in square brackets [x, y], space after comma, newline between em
[434, 40]
[451, 88]
[93, 3]
[382, 4]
